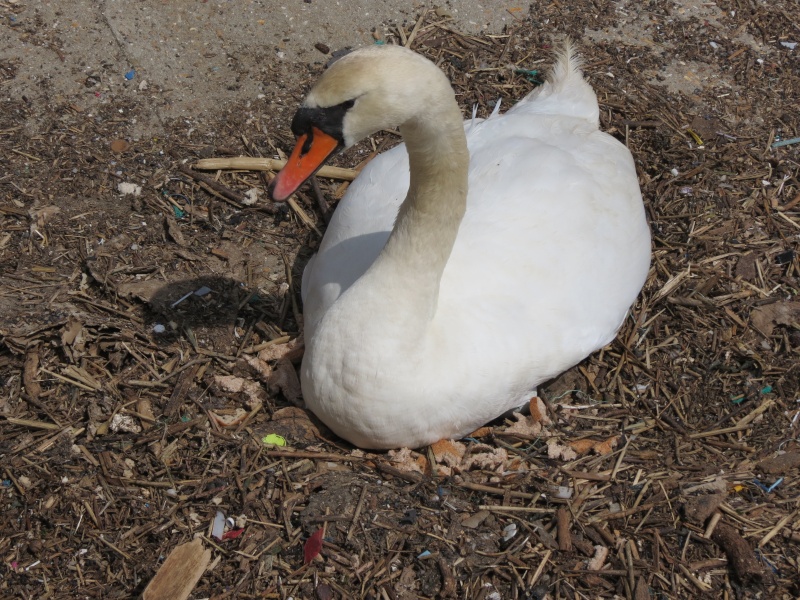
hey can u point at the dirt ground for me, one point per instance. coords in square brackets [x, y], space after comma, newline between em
[150, 316]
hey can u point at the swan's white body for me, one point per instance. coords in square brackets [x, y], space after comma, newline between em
[453, 323]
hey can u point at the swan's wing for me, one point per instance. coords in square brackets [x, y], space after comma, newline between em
[554, 243]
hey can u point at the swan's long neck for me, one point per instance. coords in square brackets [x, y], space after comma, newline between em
[411, 264]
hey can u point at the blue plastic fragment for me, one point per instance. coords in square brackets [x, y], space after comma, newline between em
[788, 142]
[766, 562]
[130, 74]
[424, 554]
[774, 485]
[179, 214]
[771, 488]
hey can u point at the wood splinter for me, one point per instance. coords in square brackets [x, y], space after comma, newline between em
[177, 577]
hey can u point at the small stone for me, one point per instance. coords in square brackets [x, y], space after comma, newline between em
[322, 47]
[119, 146]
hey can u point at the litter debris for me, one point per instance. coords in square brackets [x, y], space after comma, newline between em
[232, 534]
[788, 142]
[273, 439]
[509, 531]
[126, 423]
[563, 492]
[789, 45]
[218, 528]
[313, 546]
[126, 188]
[252, 196]
[598, 560]
[409, 517]
[130, 75]
[768, 489]
[532, 75]
[200, 292]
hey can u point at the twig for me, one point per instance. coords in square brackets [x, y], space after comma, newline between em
[247, 163]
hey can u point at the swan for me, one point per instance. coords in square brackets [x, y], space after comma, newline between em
[467, 265]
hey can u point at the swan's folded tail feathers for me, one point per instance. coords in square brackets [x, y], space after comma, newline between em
[565, 92]
[567, 66]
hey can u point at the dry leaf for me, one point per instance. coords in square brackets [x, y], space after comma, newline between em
[284, 377]
[766, 318]
[144, 290]
[492, 460]
[539, 411]
[71, 331]
[174, 231]
[254, 394]
[448, 452]
[233, 419]
[525, 425]
[556, 450]
[407, 460]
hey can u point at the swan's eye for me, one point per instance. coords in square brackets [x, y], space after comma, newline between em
[347, 105]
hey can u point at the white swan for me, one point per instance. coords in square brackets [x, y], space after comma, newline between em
[439, 301]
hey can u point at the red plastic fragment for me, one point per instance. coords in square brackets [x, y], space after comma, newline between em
[312, 546]
[232, 534]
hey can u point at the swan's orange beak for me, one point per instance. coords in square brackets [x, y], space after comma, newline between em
[310, 152]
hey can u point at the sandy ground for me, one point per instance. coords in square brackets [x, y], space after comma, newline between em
[190, 60]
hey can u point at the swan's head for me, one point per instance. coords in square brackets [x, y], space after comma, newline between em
[363, 92]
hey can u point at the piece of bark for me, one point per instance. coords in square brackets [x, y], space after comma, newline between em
[177, 577]
[30, 372]
[698, 508]
[781, 464]
[562, 530]
[583, 545]
[185, 380]
[642, 592]
[740, 555]
[448, 589]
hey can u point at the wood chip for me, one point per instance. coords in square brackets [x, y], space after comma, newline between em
[179, 573]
